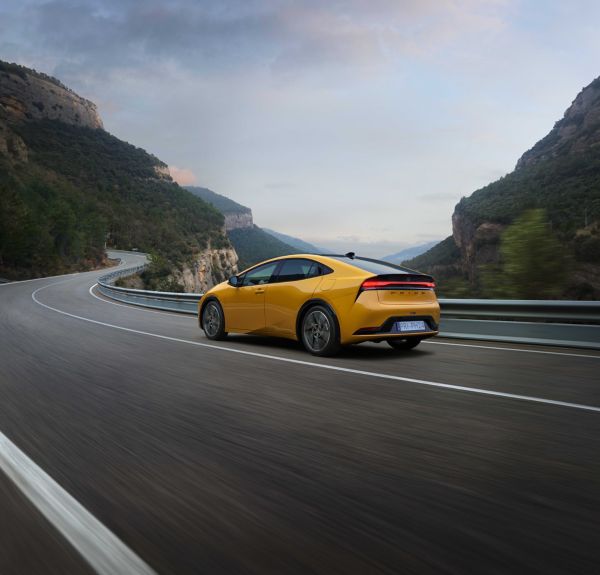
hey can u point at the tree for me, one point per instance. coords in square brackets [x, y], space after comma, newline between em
[533, 263]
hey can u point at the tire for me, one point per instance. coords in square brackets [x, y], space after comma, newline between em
[404, 344]
[213, 320]
[319, 331]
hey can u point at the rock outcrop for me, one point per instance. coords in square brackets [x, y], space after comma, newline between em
[478, 244]
[212, 266]
[29, 95]
[238, 220]
[577, 131]
[236, 215]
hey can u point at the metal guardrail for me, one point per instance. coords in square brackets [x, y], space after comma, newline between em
[558, 323]
[539, 310]
[172, 301]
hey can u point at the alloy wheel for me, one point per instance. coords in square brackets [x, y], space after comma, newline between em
[211, 319]
[316, 330]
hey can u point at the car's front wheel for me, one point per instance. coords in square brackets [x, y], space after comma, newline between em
[319, 331]
[213, 321]
[409, 343]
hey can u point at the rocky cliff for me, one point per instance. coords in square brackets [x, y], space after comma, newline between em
[211, 266]
[240, 220]
[28, 95]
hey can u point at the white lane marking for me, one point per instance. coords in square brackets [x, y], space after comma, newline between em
[106, 554]
[322, 365]
[140, 308]
[543, 351]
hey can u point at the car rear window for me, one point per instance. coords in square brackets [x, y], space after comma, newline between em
[372, 266]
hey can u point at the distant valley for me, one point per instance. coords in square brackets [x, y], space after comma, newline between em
[69, 189]
[252, 243]
[409, 253]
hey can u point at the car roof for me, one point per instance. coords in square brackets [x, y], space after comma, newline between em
[337, 262]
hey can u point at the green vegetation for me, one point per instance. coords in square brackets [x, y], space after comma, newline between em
[10, 68]
[254, 245]
[567, 187]
[83, 187]
[157, 276]
[533, 263]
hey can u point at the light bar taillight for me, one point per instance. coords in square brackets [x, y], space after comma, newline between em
[374, 283]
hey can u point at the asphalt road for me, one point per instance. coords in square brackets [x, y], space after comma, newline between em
[201, 459]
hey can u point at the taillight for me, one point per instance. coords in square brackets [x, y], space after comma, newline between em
[408, 282]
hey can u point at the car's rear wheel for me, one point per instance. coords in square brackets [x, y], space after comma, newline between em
[409, 343]
[213, 320]
[319, 331]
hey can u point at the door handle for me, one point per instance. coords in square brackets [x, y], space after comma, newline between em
[259, 291]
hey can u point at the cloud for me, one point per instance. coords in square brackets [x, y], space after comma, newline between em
[183, 176]
[224, 36]
[352, 122]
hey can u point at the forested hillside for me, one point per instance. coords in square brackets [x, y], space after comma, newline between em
[557, 183]
[67, 190]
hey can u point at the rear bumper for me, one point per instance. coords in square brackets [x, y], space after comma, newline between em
[385, 331]
[387, 327]
[384, 336]
[371, 321]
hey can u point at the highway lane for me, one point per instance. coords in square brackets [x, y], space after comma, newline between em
[207, 461]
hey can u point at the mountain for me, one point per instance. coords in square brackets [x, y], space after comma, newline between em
[409, 253]
[252, 244]
[236, 215]
[560, 177]
[298, 244]
[68, 188]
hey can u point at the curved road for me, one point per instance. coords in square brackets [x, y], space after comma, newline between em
[251, 456]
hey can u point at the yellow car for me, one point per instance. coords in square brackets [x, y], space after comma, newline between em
[324, 301]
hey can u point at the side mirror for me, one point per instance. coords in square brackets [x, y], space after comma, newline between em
[234, 281]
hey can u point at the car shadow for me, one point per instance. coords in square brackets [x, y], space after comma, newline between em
[365, 351]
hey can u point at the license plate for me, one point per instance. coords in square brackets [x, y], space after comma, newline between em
[405, 326]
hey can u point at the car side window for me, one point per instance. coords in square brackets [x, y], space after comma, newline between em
[318, 269]
[259, 275]
[298, 269]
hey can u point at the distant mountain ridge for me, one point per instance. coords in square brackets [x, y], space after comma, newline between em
[297, 243]
[236, 215]
[410, 252]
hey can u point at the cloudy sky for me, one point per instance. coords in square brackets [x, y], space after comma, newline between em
[355, 125]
